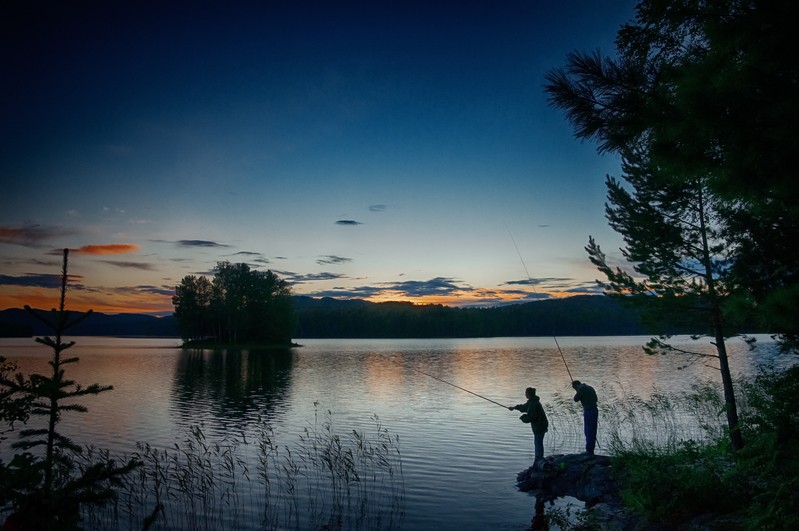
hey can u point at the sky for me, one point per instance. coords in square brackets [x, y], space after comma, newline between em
[384, 150]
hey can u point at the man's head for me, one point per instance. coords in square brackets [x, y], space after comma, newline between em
[529, 392]
[576, 384]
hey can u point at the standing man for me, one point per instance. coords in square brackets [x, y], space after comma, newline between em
[535, 415]
[587, 397]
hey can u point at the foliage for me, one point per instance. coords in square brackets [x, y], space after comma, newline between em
[706, 214]
[684, 479]
[699, 94]
[15, 405]
[47, 488]
[239, 305]
[771, 464]
[673, 487]
[192, 302]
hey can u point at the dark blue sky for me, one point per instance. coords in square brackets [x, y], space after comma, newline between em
[390, 150]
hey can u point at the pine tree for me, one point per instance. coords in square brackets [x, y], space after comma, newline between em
[46, 483]
[698, 105]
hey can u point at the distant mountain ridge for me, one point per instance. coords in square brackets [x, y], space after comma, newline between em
[333, 318]
[16, 322]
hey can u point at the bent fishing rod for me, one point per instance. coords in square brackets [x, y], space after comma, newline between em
[532, 284]
[453, 385]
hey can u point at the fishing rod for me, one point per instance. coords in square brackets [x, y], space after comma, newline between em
[453, 385]
[532, 284]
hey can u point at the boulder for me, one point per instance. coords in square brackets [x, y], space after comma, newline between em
[588, 478]
[592, 479]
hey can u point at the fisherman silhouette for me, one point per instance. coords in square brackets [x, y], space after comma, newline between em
[535, 415]
[586, 395]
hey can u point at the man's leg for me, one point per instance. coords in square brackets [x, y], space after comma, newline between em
[539, 446]
[591, 421]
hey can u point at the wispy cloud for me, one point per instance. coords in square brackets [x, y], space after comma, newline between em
[415, 289]
[378, 208]
[145, 289]
[142, 266]
[36, 280]
[422, 288]
[546, 281]
[585, 288]
[349, 222]
[31, 280]
[254, 259]
[359, 292]
[31, 235]
[109, 248]
[438, 290]
[331, 259]
[200, 243]
[295, 278]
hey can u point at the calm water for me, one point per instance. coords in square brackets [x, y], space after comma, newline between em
[460, 453]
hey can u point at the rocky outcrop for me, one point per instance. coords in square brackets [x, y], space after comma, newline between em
[585, 477]
[588, 478]
[593, 480]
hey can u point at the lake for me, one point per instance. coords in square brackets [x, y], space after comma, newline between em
[457, 454]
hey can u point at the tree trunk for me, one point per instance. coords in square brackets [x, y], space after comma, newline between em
[730, 407]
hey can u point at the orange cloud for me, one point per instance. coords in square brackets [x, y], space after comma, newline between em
[110, 248]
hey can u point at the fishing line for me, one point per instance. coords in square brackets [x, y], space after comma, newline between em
[532, 284]
[450, 383]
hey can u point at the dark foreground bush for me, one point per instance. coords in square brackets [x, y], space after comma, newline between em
[757, 486]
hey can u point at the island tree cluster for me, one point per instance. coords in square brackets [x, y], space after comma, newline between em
[239, 305]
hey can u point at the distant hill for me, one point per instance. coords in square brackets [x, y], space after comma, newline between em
[576, 316]
[16, 322]
[332, 318]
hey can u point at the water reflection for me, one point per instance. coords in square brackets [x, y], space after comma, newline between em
[460, 454]
[232, 383]
[540, 521]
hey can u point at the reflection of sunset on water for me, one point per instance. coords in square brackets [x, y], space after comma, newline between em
[383, 376]
[445, 436]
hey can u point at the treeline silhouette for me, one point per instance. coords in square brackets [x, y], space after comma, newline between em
[333, 318]
[572, 316]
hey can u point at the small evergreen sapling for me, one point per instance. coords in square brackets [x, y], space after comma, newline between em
[45, 483]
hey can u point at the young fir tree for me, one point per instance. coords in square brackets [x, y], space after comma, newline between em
[45, 483]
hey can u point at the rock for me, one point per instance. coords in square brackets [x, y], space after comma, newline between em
[588, 478]
[591, 479]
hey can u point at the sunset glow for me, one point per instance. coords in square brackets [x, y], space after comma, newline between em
[319, 142]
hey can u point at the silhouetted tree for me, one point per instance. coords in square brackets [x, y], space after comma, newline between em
[699, 104]
[47, 489]
[192, 301]
[706, 89]
[239, 305]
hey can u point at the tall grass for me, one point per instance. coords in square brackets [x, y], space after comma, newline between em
[628, 422]
[673, 455]
[249, 481]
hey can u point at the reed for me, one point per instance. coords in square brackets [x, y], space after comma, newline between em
[323, 479]
[662, 421]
